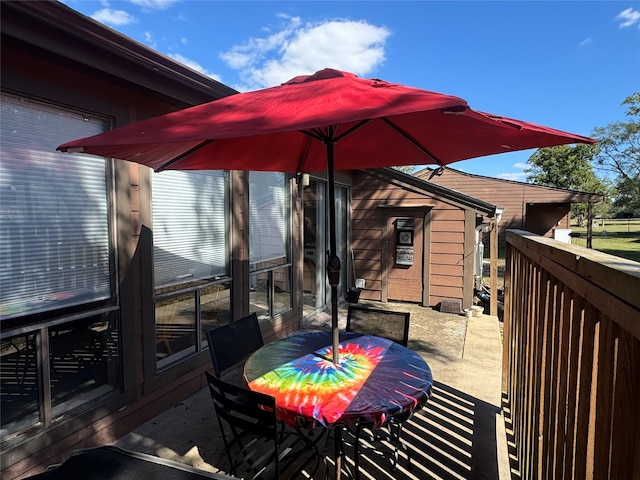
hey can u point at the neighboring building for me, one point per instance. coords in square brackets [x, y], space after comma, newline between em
[541, 210]
[111, 273]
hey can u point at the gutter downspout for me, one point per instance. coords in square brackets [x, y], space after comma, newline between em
[492, 226]
[479, 255]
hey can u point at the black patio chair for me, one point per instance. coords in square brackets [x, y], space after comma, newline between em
[389, 324]
[256, 443]
[394, 326]
[231, 344]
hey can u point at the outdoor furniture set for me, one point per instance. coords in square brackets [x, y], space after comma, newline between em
[292, 393]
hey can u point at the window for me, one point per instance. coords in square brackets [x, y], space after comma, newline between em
[54, 225]
[269, 263]
[58, 309]
[191, 260]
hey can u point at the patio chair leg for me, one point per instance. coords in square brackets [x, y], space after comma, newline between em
[356, 451]
[397, 444]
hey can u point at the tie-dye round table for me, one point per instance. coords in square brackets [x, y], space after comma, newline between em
[376, 379]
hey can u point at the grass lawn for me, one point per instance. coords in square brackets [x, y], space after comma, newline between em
[617, 237]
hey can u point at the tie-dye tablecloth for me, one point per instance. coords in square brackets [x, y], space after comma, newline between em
[375, 379]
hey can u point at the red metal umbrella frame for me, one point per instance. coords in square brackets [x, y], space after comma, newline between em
[295, 128]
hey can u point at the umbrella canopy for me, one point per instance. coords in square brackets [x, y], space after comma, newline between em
[376, 124]
[295, 127]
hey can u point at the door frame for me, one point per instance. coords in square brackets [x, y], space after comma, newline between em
[422, 211]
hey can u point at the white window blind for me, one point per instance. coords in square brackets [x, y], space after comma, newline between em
[189, 226]
[54, 222]
[267, 216]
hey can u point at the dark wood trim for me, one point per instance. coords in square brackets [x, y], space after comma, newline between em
[83, 44]
[240, 242]
[438, 192]
[426, 256]
[128, 258]
[297, 252]
[384, 258]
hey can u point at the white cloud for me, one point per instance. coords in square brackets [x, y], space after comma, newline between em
[109, 16]
[516, 176]
[586, 41]
[148, 39]
[154, 4]
[194, 65]
[628, 18]
[302, 48]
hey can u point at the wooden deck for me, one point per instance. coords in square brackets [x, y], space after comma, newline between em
[460, 434]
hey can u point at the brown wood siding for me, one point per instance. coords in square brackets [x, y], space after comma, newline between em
[455, 270]
[446, 245]
[454, 248]
[513, 197]
[510, 196]
[440, 292]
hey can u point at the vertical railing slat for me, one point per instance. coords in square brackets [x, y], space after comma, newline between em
[575, 328]
[624, 441]
[546, 326]
[528, 360]
[604, 399]
[561, 384]
[587, 346]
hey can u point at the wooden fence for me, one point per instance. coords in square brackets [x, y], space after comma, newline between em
[571, 366]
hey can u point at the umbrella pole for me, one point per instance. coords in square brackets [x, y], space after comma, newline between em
[333, 263]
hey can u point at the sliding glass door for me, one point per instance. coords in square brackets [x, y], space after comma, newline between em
[316, 291]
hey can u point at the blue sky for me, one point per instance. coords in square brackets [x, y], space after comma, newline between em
[563, 64]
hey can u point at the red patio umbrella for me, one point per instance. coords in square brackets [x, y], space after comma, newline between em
[295, 127]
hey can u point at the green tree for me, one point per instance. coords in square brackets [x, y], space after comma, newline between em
[568, 167]
[618, 153]
[565, 166]
[408, 169]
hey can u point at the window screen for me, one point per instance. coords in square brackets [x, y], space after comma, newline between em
[189, 226]
[267, 216]
[54, 222]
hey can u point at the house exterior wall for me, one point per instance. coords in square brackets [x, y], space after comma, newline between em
[449, 229]
[515, 198]
[35, 67]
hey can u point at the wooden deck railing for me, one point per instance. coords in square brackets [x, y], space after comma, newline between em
[571, 366]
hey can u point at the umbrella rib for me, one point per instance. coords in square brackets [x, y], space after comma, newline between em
[303, 157]
[174, 160]
[330, 137]
[412, 141]
[313, 134]
[355, 127]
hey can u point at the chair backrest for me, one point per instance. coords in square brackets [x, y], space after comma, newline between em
[246, 414]
[231, 344]
[243, 408]
[381, 323]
